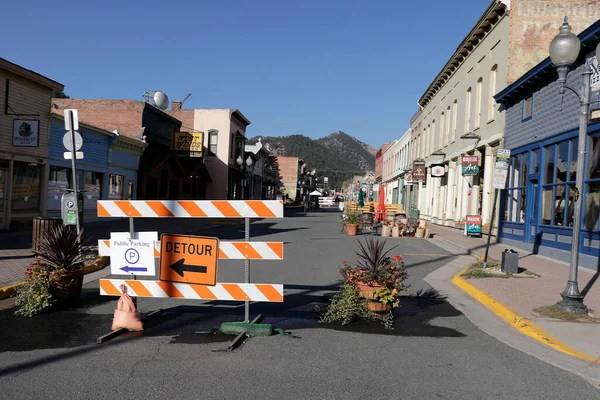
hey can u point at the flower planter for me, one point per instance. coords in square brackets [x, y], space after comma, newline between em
[352, 229]
[368, 293]
[67, 287]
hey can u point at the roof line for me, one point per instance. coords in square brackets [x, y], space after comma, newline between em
[29, 74]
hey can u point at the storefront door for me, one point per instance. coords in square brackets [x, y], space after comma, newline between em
[531, 212]
[3, 199]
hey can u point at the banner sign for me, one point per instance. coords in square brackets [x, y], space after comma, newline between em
[419, 171]
[408, 178]
[473, 225]
[188, 142]
[437, 170]
[501, 169]
[470, 165]
[26, 133]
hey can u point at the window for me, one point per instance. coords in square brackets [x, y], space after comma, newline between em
[447, 130]
[115, 186]
[558, 191]
[441, 137]
[454, 107]
[468, 111]
[432, 137]
[59, 179]
[591, 203]
[130, 191]
[515, 194]
[26, 186]
[492, 102]
[213, 141]
[92, 184]
[527, 108]
[478, 103]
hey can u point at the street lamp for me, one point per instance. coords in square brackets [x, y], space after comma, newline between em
[564, 51]
[240, 162]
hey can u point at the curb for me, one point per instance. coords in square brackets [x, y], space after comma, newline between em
[522, 324]
[97, 265]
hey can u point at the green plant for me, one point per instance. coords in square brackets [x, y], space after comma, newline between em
[352, 219]
[386, 295]
[63, 248]
[33, 295]
[347, 306]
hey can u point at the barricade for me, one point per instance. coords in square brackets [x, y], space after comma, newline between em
[243, 250]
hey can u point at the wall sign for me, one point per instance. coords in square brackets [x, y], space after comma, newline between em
[408, 178]
[26, 133]
[189, 143]
[501, 169]
[473, 225]
[470, 165]
[419, 171]
[437, 170]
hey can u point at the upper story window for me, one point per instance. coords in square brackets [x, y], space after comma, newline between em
[478, 103]
[527, 108]
[468, 111]
[213, 142]
[492, 102]
[454, 112]
[448, 122]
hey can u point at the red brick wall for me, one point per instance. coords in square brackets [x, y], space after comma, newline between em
[187, 119]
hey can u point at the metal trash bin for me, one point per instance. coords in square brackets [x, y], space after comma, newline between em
[41, 227]
[510, 262]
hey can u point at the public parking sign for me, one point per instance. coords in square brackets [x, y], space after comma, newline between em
[189, 259]
[132, 256]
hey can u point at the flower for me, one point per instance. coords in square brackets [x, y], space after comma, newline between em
[397, 258]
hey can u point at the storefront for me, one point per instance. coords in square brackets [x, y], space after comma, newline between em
[24, 136]
[537, 207]
[108, 170]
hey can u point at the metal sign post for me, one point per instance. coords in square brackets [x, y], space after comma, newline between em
[247, 271]
[499, 183]
[73, 124]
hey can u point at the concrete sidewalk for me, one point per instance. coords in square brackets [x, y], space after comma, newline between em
[523, 295]
[15, 247]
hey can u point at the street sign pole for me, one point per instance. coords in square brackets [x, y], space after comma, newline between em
[487, 247]
[74, 178]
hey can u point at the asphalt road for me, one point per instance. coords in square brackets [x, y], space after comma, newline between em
[433, 352]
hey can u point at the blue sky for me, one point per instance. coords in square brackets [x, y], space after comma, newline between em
[308, 67]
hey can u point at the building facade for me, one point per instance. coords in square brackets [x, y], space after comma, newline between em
[537, 208]
[108, 170]
[24, 139]
[289, 168]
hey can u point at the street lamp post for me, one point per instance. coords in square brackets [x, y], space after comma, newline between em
[246, 174]
[564, 51]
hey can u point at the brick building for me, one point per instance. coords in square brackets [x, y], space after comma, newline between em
[161, 174]
[24, 137]
[289, 168]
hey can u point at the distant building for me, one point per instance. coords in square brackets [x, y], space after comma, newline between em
[289, 168]
[26, 98]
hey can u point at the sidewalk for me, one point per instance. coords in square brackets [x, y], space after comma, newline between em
[523, 295]
[15, 247]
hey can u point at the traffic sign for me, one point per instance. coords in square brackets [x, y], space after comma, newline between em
[68, 113]
[68, 141]
[132, 256]
[188, 259]
[78, 155]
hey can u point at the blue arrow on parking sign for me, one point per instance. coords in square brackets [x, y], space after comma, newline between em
[129, 269]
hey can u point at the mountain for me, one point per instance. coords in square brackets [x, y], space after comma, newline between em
[337, 156]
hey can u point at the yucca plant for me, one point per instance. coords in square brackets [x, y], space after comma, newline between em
[63, 248]
[373, 259]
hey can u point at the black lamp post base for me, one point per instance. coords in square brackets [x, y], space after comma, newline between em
[572, 305]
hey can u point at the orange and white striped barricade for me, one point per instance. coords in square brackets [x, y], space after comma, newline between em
[243, 250]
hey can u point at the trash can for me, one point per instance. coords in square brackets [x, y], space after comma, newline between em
[510, 262]
[41, 227]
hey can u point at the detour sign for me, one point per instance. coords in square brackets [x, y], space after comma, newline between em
[189, 259]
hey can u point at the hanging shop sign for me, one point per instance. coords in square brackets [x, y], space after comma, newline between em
[188, 143]
[408, 178]
[470, 165]
[437, 170]
[501, 169]
[419, 171]
[26, 133]
[473, 225]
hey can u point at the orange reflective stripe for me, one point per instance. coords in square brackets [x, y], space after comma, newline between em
[102, 211]
[139, 288]
[260, 209]
[156, 253]
[277, 248]
[235, 291]
[226, 209]
[247, 250]
[222, 255]
[109, 288]
[127, 208]
[204, 292]
[106, 243]
[170, 289]
[270, 292]
[159, 208]
[192, 208]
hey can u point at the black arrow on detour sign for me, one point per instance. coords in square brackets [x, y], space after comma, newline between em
[180, 267]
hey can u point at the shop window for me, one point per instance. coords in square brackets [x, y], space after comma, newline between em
[549, 162]
[527, 108]
[559, 183]
[546, 206]
[92, 184]
[59, 179]
[592, 187]
[115, 186]
[213, 141]
[26, 186]
[516, 193]
[130, 191]
[535, 162]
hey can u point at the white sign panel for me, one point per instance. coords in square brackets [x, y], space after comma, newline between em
[501, 169]
[26, 133]
[68, 141]
[67, 114]
[132, 256]
[68, 155]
